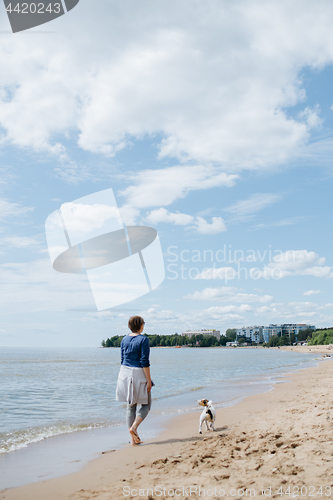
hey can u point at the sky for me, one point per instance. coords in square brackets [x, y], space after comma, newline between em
[212, 121]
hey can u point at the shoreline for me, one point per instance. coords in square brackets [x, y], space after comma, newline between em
[109, 473]
[65, 453]
[32, 446]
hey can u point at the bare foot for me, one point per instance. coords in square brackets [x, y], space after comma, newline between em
[133, 443]
[134, 436]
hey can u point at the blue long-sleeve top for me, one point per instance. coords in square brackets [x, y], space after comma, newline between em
[135, 351]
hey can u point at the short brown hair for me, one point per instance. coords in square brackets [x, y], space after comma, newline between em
[135, 323]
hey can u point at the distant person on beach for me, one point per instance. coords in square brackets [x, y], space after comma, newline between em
[134, 382]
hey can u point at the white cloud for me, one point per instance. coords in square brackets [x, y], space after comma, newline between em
[161, 314]
[320, 315]
[81, 218]
[162, 215]
[265, 309]
[129, 214]
[69, 171]
[19, 242]
[298, 259]
[243, 308]
[203, 227]
[198, 224]
[7, 176]
[222, 273]
[35, 286]
[175, 321]
[311, 116]
[311, 292]
[289, 221]
[164, 186]
[244, 209]
[8, 209]
[212, 85]
[101, 316]
[297, 312]
[224, 316]
[295, 263]
[318, 154]
[228, 294]
[193, 318]
[290, 263]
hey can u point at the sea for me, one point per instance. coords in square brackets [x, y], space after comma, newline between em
[58, 407]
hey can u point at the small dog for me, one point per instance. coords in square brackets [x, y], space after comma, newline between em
[208, 414]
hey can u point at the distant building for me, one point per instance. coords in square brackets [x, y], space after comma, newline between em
[261, 334]
[190, 333]
[250, 332]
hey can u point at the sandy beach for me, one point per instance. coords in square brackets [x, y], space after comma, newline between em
[275, 444]
[320, 349]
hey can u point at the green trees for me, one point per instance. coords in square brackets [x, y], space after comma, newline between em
[273, 341]
[231, 334]
[322, 336]
[224, 340]
[112, 342]
[305, 334]
[169, 341]
[276, 341]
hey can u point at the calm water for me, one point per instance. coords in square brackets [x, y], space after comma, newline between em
[48, 392]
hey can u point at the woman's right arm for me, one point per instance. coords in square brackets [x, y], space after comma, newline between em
[121, 353]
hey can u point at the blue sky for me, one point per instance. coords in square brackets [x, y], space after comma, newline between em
[211, 122]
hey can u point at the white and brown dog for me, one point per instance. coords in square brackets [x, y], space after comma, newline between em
[208, 415]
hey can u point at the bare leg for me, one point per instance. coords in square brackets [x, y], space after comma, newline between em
[141, 415]
[133, 430]
[130, 418]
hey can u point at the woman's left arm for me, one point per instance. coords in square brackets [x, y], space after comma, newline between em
[145, 351]
[146, 370]
[144, 361]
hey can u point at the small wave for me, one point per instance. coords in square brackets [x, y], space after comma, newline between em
[16, 440]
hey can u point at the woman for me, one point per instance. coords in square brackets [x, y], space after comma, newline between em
[134, 382]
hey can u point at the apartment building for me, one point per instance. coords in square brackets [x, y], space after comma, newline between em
[206, 332]
[260, 334]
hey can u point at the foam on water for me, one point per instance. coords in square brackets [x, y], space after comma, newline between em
[16, 440]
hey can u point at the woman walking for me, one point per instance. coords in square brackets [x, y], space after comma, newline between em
[134, 382]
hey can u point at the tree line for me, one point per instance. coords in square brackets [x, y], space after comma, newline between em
[321, 336]
[277, 341]
[176, 339]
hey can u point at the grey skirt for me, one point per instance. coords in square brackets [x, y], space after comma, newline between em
[132, 386]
